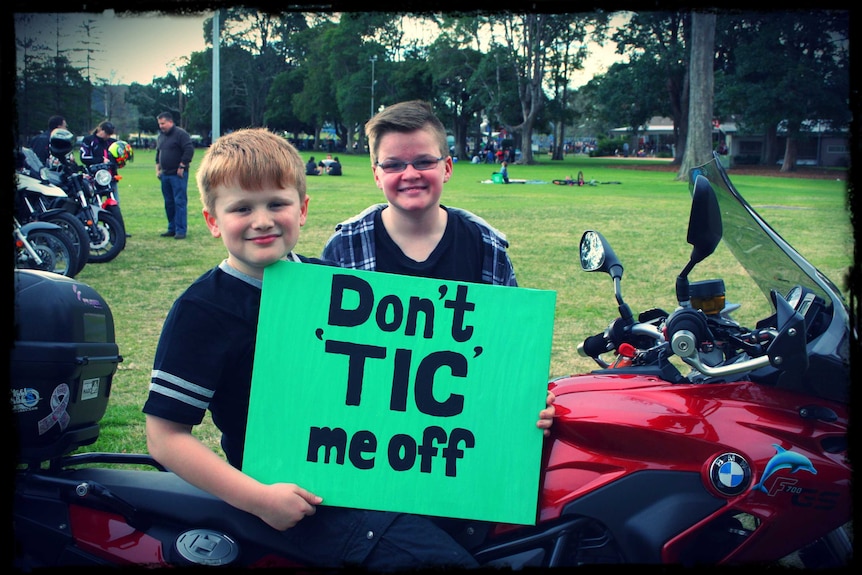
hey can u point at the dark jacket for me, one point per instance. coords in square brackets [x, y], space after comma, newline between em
[94, 150]
[39, 144]
[174, 148]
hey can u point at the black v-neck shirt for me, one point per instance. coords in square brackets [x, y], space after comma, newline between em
[457, 257]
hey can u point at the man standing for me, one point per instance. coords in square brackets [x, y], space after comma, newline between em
[174, 152]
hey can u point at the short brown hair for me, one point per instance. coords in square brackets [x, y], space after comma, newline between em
[405, 117]
[252, 158]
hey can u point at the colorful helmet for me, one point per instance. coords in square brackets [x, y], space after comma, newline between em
[61, 142]
[121, 152]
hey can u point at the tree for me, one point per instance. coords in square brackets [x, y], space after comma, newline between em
[256, 49]
[629, 94]
[456, 96]
[662, 37]
[197, 81]
[785, 70]
[49, 83]
[527, 37]
[698, 144]
[280, 111]
[569, 50]
[532, 42]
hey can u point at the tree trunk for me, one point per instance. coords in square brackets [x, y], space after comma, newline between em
[698, 143]
[559, 141]
[790, 154]
[681, 123]
[770, 152]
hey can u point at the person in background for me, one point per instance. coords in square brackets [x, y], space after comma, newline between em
[504, 171]
[174, 153]
[324, 164]
[94, 150]
[39, 143]
[334, 168]
[94, 147]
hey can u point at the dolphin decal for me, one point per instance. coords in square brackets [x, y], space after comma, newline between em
[784, 459]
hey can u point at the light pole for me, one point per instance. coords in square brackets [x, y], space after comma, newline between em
[372, 59]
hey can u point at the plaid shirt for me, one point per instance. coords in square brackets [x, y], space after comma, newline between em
[352, 245]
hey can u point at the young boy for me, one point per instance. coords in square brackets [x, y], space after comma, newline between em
[412, 233]
[252, 186]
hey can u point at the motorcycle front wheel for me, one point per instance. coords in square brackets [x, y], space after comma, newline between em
[77, 234]
[107, 239]
[54, 249]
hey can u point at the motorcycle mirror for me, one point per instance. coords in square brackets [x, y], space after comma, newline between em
[787, 351]
[704, 231]
[704, 224]
[597, 255]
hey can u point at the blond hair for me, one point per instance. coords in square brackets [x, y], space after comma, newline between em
[405, 117]
[253, 159]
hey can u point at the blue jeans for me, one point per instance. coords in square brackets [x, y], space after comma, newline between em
[174, 190]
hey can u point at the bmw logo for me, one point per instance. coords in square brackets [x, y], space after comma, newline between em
[730, 474]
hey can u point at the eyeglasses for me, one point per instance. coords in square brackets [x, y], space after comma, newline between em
[396, 166]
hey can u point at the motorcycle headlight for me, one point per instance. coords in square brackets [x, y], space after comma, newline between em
[103, 177]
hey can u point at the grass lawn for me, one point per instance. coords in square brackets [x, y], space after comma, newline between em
[644, 216]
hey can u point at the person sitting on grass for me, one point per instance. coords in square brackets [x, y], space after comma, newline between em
[311, 168]
[504, 171]
[334, 168]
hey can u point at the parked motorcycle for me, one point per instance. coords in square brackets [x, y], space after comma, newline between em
[38, 200]
[106, 232]
[105, 177]
[742, 459]
[43, 246]
[103, 188]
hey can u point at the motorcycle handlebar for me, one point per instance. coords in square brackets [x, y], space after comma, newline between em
[594, 346]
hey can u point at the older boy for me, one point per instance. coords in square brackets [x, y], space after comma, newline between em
[252, 186]
[412, 233]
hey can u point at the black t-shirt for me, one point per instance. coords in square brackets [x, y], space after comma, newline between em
[205, 355]
[457, 257]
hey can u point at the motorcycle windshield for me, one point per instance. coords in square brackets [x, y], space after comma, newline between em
[769, 260]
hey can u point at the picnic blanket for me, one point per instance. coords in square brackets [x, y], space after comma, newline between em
[513, 181]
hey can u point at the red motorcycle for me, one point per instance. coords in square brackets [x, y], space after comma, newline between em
[743, 459]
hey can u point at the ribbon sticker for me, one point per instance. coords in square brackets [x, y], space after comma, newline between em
[58, 415]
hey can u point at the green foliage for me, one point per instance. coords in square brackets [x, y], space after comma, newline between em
[629, 94]
[53, 87]
[299, 71]
[785, 66]
[644, 216]
[609, 146]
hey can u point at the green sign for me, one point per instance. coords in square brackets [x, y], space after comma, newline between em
[397, 393]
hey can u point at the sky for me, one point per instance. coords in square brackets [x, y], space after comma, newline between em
[138, 48]
[132, 48]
